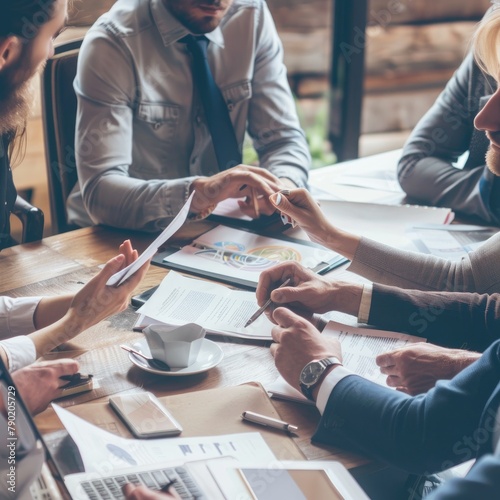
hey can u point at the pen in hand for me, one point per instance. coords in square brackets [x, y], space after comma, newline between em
[167, 486]
[259, 311]
[255, 200]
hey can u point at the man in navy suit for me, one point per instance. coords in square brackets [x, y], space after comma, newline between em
[452, 423]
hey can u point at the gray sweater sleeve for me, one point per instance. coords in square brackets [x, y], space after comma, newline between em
[426, 169]
[478, 272]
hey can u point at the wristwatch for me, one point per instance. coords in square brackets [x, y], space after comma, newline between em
[312, 372]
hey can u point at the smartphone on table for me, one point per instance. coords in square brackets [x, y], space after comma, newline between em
[145, 415]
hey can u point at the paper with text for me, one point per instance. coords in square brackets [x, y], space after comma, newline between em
[219, 309]
[103, 451]
[360, 347]
[119, 277]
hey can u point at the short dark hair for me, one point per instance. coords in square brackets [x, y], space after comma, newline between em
[24, 18]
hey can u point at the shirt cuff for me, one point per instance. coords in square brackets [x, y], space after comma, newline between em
[16, 315]
[20, 352]
[328, 384]
[366, 304]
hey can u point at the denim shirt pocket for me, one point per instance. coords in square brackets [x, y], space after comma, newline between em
[161, 118]
[237, 93]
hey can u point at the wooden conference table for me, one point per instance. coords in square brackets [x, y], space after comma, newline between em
[62, 263]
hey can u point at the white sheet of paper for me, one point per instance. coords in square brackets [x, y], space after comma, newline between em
[379, 181]
[270, 250]
[450, 242]
[219, 309]
[103, 451]
[360, 347]
[230, 208]
[384, 223]
[119, 277]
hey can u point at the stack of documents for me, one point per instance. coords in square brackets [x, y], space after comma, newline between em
[220, 310]
[384, 223]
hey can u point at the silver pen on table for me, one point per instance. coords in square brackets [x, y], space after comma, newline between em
[257, 418]
[259, 311]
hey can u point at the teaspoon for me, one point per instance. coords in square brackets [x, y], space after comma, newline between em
[154, 363]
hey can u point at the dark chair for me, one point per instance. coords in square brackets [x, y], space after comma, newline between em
[32, 220]
[347, 77]
[59, 106]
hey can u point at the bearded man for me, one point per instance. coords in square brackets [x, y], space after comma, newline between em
[27, 31]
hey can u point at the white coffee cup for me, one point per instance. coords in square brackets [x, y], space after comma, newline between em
[178, 346]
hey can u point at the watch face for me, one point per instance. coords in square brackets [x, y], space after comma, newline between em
[311, 373]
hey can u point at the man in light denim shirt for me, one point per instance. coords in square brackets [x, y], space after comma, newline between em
[142, 141]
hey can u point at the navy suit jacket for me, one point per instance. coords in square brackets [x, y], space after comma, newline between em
[448, 425]
[451, 319]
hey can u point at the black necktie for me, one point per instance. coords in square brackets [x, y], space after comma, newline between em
[218, 120]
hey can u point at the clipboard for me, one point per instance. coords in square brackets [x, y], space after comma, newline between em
[321, 268]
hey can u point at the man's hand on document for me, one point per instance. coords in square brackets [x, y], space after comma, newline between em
[416, 368]
[255, 184]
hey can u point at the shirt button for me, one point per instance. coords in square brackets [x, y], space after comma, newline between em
[198, 119]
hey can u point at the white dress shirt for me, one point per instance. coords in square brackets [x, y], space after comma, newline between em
[336, 375]
[142, 135]
[16, 321]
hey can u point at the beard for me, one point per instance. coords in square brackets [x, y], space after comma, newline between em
[493, 160]
[17, 94]
[15, 107]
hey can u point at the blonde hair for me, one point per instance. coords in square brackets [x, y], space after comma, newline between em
[486, 43]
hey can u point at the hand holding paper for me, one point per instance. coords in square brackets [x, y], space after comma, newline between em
[118, 278]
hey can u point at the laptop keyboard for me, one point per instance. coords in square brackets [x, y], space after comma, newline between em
[110, 488]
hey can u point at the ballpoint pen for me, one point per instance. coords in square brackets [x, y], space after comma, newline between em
[167, 486]
[259, 311]
[254, 200]
[257, 418]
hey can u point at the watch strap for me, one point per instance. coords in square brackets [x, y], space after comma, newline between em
[307, 389]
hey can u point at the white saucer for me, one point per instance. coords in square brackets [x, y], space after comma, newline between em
[210, 355]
